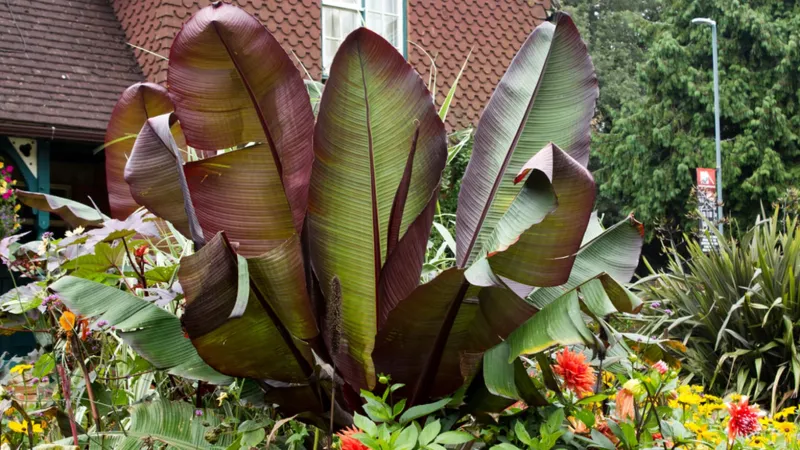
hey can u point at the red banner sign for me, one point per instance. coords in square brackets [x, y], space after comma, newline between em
[707, 204]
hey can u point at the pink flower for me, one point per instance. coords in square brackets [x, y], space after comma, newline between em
[625, 408]
[7, 195]
[744, 419]
[9, 169]
[661, 367]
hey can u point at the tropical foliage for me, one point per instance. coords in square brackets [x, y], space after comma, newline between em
[313, 248]
[286, 245]
[735, 310]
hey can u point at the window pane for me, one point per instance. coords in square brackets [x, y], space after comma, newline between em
[339, 23]
[390, 29]
[390, 6]
[330, 20]
[329, 48]
[350, 21]
[375, 5]
[346, 2]
[374, 21]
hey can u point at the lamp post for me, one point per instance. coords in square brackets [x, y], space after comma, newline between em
[716, 113]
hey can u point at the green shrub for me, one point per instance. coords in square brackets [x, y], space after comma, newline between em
[737, 309]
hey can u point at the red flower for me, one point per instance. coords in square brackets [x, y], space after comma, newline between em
[744, 419]
[141, 250]
[348, 441]
[578, 376]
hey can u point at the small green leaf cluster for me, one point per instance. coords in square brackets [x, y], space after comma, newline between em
[390, 426]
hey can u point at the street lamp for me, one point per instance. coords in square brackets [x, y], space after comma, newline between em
[716, 112]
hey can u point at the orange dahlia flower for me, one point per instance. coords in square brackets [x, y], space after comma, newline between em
[577, 374]
[348, 441]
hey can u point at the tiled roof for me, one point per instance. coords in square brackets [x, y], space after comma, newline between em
[63, 64]
[448, 29]
[152, 24]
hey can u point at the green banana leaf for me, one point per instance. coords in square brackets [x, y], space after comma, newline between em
[233, 84]
[137, 104]
[173, 425]
[547, 95]
[558, 323]
[74, 213]
[153, 332]
[561, 323]
[380, 150]
[535, 241]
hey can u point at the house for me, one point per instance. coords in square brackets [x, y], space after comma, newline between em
[64, 63]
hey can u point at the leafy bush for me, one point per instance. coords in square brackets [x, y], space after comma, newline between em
[307, 237]
[310, 236]
[737, 310]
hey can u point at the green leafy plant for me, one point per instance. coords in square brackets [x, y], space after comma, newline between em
[735, 310]
[391, 426]
[310, 236]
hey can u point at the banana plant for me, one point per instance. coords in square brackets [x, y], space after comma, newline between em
[310, 233]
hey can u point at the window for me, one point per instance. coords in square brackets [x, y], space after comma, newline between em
[340, 17]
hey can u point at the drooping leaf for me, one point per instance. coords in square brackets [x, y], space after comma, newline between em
[547, 95]
[374, 103]
[232, 84]
[542, 254]
[615, 252]
[153, 332]
[74, 213]
[239, 333]
[238, 192]
[560, 322]
[137, 104]
[152, 172]
[509, 379]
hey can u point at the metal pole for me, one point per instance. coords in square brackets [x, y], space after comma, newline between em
[716, 123]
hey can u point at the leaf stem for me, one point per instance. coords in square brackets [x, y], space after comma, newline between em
[65, 391]
[89, 391]
[139, 273]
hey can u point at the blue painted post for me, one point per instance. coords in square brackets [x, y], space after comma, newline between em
[43, 176]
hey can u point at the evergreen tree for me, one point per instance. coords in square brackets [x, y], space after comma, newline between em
[646, 160]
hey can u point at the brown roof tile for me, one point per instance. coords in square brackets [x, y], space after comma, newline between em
[64, 63]
[448, 29]
[152, 24]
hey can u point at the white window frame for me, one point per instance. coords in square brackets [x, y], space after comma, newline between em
[361, 9]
